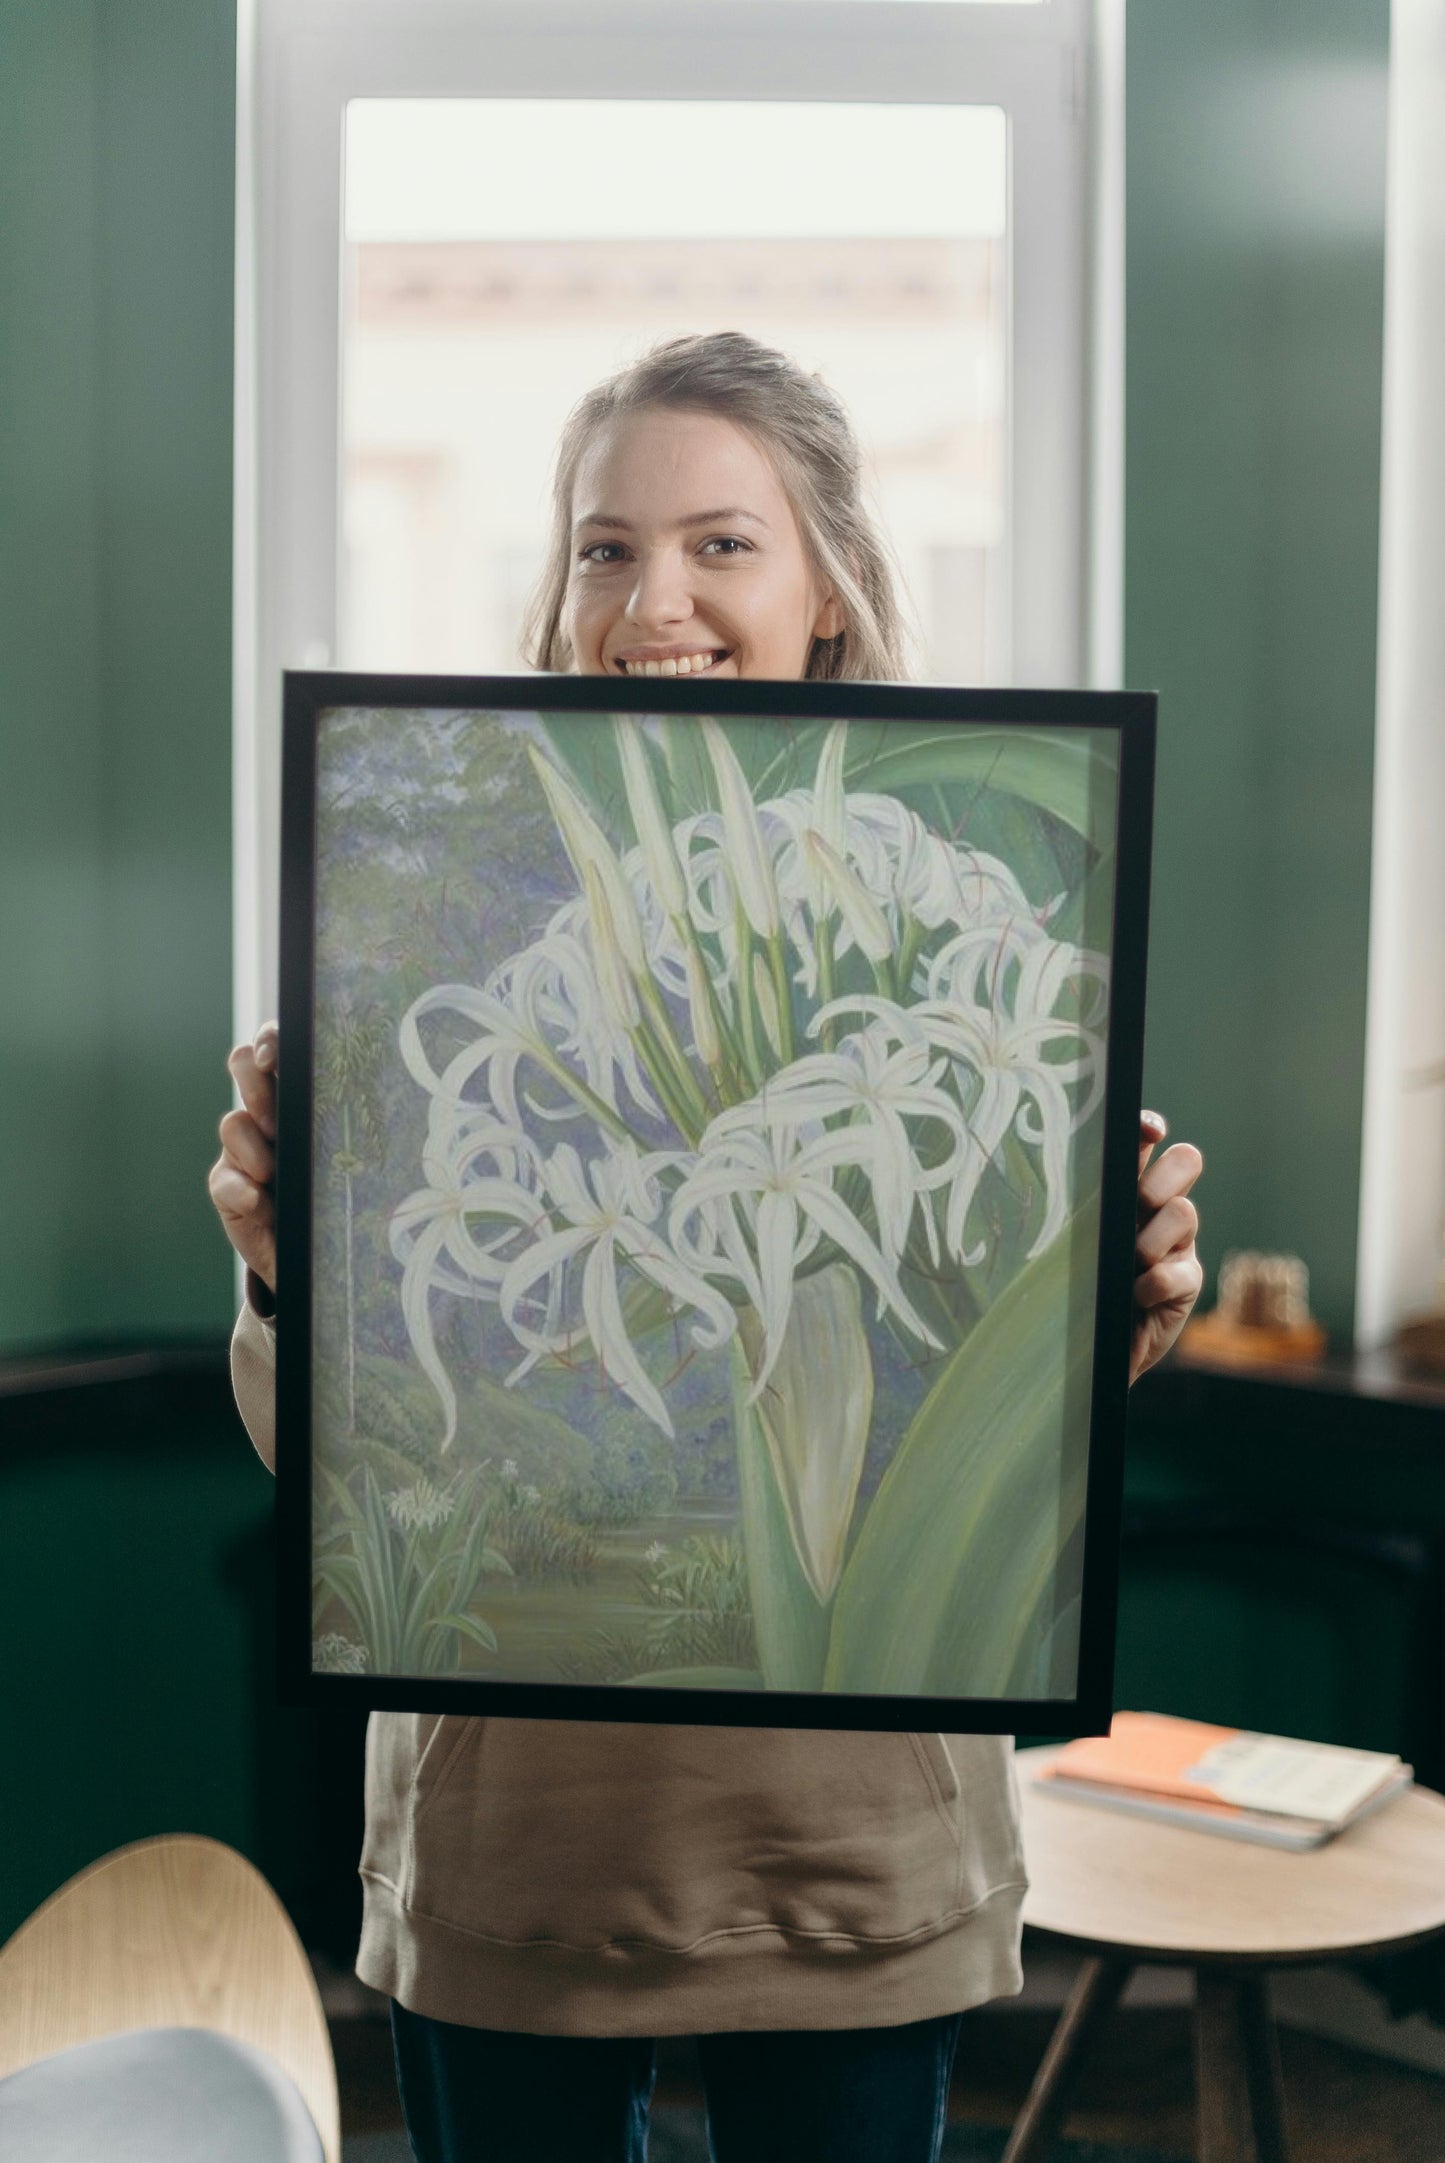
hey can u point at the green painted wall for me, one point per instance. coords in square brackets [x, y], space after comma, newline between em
[52, 1038]
[116, 159]
[1255, 268]
[137, 1570]
[1255, 253]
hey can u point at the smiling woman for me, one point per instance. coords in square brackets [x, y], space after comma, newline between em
[643, 576]
[742, 1061]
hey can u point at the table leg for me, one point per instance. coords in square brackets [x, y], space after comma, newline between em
[1095, 1993]
[1261, 2045]
[1241, 2114]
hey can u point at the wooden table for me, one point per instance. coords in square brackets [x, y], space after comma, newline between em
[1126, 1890]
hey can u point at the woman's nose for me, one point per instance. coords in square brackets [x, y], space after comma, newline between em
[661, 595]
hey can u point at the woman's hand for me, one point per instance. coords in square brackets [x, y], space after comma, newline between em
[1168, 1273]
[241, 1178]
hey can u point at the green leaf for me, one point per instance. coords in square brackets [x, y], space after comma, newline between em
[789, 1624]
[958, 1555]
[585, 744]
[468, 1626]
[697, 1678]
[687, 780]
[1066, 774]
[1070, 773]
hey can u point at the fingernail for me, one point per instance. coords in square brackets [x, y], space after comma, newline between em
[1156, 1119]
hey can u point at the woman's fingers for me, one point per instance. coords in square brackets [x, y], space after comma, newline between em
[253, 1069]
[1171, 1227]
[1174, 1282]
[248, 1216]
[244, 1144]
[1172, 1174]
[1153, 1127]
[1169, 1276]
[238, 1198]
[241, 1178]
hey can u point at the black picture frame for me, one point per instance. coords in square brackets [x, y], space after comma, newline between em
[1128, 720]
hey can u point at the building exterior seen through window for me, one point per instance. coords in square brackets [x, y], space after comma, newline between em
[868, 242]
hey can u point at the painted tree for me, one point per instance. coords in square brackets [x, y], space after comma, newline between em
[351, 1047]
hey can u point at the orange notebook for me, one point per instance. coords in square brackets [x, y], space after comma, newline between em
[1200, 1764]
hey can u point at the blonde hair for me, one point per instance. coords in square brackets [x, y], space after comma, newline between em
[804, 428]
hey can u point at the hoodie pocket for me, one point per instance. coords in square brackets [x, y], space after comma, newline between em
[941, 1775]
[592, 1834]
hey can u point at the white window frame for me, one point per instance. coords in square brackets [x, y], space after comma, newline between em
[1049, 67]
[1402, 1159]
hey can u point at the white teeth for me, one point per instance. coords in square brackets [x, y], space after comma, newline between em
[686, 664]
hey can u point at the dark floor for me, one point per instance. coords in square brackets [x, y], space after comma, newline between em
[1342, 2105]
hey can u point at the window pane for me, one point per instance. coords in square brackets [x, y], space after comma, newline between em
[867, 241]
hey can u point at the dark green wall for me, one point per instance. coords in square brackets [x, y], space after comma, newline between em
[116, 159]
[137, 1603]
[1255, 249]
[1255, 263]
[1255, 267]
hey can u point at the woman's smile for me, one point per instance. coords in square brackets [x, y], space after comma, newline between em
[672, 660]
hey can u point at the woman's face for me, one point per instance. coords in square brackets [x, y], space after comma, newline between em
[686, 556]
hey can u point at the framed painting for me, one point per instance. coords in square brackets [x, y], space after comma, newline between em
[708, 1139]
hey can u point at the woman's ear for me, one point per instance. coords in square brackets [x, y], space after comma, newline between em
[830, 619]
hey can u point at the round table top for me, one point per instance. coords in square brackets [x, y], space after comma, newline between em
[1166, 1892]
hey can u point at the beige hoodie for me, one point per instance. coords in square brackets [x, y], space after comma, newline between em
[567, 1877]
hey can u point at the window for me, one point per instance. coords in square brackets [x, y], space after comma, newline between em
[867, 240]
[454, 219]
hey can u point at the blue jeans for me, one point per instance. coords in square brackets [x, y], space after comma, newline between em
[832, 2095]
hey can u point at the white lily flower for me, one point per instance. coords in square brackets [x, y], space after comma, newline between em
[997, 1026]
[555, 983]
[877, 1090]
[544, 1006]
[431, 1236]
[420, 1507]
[609, 1209]
[756, 1208]
[748, 855]
[643, 1003]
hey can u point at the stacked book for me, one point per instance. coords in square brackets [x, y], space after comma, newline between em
[1229, 1780]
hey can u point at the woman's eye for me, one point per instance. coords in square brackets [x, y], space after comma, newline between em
[601, 552]
[726, 544]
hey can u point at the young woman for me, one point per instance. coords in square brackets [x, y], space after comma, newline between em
[543, 1898]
